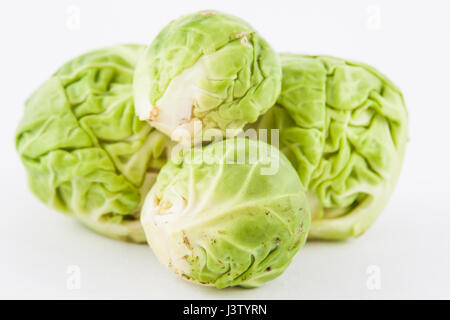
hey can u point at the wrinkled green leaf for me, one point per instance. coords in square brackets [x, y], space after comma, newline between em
[219, 218]
[343, 126]
[207, 67]
[85, 151]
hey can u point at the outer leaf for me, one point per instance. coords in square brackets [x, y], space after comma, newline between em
[343, 125]
[85, 151]
[220, 221]
[209, 68]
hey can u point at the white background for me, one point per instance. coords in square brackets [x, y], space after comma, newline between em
[409, 245]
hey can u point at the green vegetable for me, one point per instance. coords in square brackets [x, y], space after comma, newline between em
[217, 220]
[206, 71]
[343, 126]
[85, 151]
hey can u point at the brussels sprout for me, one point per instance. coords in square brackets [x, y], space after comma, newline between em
[220, 221]
[206, 71]
[85, 151]
[343, 126]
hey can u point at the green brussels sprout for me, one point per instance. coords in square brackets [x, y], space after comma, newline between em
[85, 151]
[343, 126]
[231, 214]
[206, 71]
